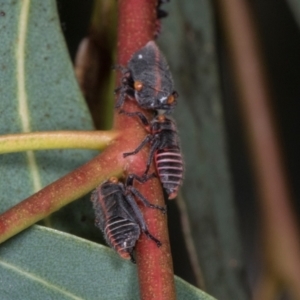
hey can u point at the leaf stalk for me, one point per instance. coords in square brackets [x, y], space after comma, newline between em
[93, 140]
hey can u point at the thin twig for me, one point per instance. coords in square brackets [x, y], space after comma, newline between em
[190, 245]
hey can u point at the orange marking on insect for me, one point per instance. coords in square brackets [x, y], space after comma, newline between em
[170, 99]
[138, 85]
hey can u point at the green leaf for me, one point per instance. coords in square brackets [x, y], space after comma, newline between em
[207, 190]
[39, 92]
[42, 263]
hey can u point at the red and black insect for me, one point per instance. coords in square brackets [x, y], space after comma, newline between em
[148, 79]
[165, 150]
[118, 215]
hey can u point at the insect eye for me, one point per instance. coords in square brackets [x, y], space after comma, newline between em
[170, 99]
[138, 85]
[113, 180]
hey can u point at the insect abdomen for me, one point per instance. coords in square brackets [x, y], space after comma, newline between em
[113, 218]
[121, 234]
[169, 165]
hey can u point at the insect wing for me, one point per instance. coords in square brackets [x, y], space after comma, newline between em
[149, 66]
[114, 218]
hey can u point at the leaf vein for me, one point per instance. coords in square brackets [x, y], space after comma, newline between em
[39, 280]
[21, 86]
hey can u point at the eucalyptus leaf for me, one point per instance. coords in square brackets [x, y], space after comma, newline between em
[39, 92]
[207, 189]
[43, 263]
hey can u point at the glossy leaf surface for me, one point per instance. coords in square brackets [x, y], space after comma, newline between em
[42, 263]
[39, 93]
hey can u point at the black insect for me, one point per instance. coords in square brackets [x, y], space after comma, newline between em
[165, 150]
[148, 80]
[118, 215]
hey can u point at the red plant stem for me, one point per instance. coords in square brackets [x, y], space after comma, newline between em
[61, 192]
[136, 27]
[280, 233]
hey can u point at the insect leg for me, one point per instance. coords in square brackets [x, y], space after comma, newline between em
[118, 89]
[135, 192]
[142, 144]
[137, 113]
[150, 236]
[120, 68]
[126, 86]
[121, 97]
[150, 158]
[140, 219]
[132, 258]
[131, 177]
